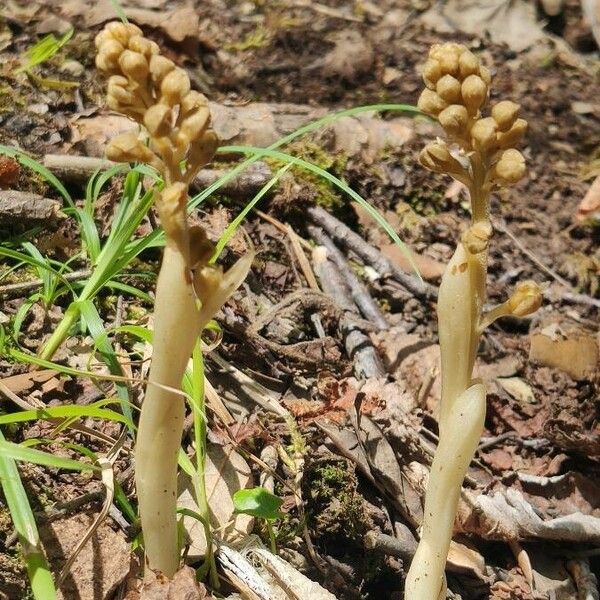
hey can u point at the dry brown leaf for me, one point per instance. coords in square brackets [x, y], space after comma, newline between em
[25, 381]
[102, 564]
[226, 472]
[279, 573]
[576, 353]
[517, 388]
[183, 586]
[507, 515]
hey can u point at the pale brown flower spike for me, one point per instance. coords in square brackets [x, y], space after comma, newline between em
[153, 91]
[478, 151]
[481, 149]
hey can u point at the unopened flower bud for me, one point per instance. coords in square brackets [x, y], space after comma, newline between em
[191, 101]
[117, 89]
[140, 44]
[476, 238]
[448, 88]
[454, 119]
[174, 197]
[431, 73]
[122, 31]
[157, 120]
[483, 133]
[207, 282]
[468, 64]
[134, 65]
[510, 138]
[202, 151]
[195, 124]
[101, 38]
[160, 67]
[474, 93]
[174, 86]
[505, 113]
[109, 54]
[128, 148]
[485, 74]
[449, 61]
[201, 248]
[510, 168]
[430, 103]
[526, 299]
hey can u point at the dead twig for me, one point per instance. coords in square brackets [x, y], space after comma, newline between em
[14, 290]
[360, 294]
[78, 169]
[367, 362]
[344, 235]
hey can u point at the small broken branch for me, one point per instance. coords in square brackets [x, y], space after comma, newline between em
[14, 290]
[359, 348]
[78, 169]
[360, 294]
[343, 234]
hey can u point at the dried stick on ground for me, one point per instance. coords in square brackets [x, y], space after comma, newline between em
[367, 306]
[343, 234]
[78, 169]
[367, 362]
[14, 290]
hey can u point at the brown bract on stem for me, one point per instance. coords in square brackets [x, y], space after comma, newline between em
[176, 139]
[479, 152]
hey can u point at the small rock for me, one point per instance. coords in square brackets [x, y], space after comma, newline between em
[583, 108]
[38, 109]
[73, 68]
[351, 57]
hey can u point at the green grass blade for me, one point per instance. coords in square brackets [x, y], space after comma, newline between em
[44, 50]
[40, 577]
[96, 328]
[21, 453]
[232, 227]
[129, 289]
[66, 411]
[308, 128]
[341, 185]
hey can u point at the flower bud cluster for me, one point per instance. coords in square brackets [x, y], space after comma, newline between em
[457, 89]
[151, 89]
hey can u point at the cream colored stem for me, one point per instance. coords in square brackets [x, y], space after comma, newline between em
[457, 321]
[176, 328]
[458, 440]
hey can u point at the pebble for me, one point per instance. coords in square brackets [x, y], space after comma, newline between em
[72, 67]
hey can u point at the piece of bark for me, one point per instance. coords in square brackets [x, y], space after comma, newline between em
[360, 294]
[16, 207]
[344, 235]
[403, 548]
[359, 347]
[78, 169]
